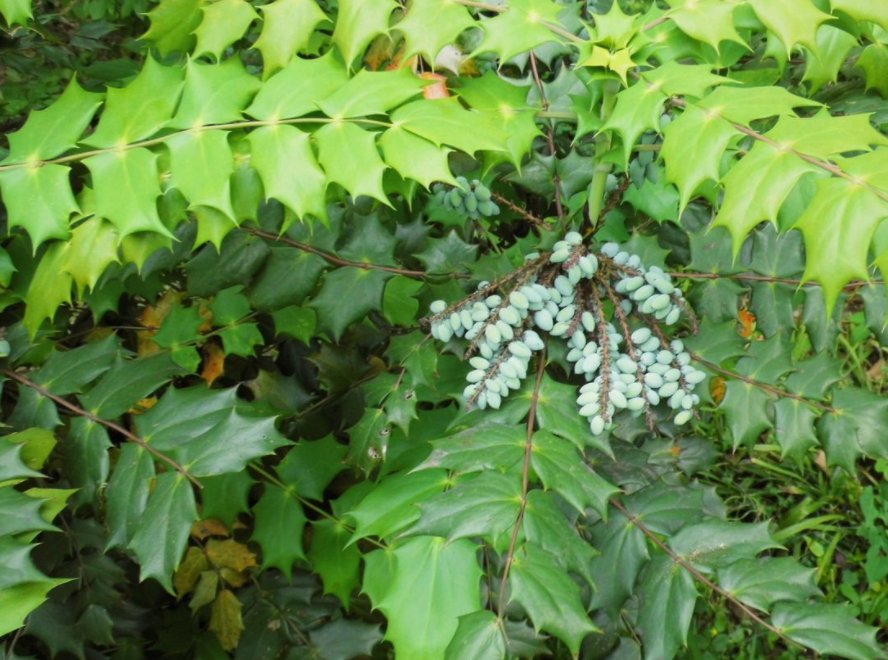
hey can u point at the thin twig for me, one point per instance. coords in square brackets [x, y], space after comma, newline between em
[524, 213]
[763, 386]
[525, 485]
[104, 422]
[699, 576]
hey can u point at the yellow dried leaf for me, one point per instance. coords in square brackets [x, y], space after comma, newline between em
[234, 578]
[230, 554]
[189, 571]
[226, 622]
[206, 589]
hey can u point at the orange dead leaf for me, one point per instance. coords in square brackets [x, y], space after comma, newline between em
[675, 451]
[230, 554]
[211, 527]
[214, 363]
[152, 318]
[438, 89]
[143, 406]
[747, 323]
[717, 389]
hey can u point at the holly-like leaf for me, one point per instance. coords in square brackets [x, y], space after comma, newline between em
[297, 89]
[668, 596]
[763, 582]
[562, 468]
[344, 639]
[39, 199]
[162, 533]
[193, 425]
[359, 21]
[423, 586]
[201, 165]
[445, 121]
[709, 21]
[714, 543]
[286, 30]
[16, 12]
[280, 522]
[546, 526]
[67, 372]
[550, 596]
[225, 496]
[415, 158]
[349, 156]
[224, 22]
[226, 621]
[172, 25]
[214, 93]
[637, 110]
[309, 467]
[373, 93]
[489, 446]
[393, 504]
[519, 29]
[793, 21]
[814, 377]
[362, 288]
[335, 559]
[431, 25]
[828, 629]
[478, 637]
[873, 61]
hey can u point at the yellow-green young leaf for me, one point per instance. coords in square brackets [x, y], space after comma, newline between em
[445, 121]
[430, 25]
[93, 246]
[520, 28]
[51, 132]
[50, 287]
[297, 89]
[224, 22]
[212, 226]
[15, 12]
[18, 601]
[637, 110]
[201, 163]
[704, 134]
[290, 174]
[349, 157]
[822, 66]
[214, 93]
[619, 62]
[684, 79]
[40, 200]
[141, 108]
[358, 23]
[415, 158]
[225, 621]
[793, 21]
[172, 24]
[550, 596]
[614, 29]
[280, 522]
[823, 135]
[873, 61]
[838, 227]
[709, 21]
[745, 104]
[423, 586]
[161, 537]
[373, 93]
[127, 186]
[286, 28]
[478, 637]
[756, 188]
[863, 10]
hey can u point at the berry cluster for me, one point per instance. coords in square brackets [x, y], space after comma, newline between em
[607, 308]
[472, 199]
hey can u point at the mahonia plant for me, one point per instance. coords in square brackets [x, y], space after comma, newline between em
[564, 294]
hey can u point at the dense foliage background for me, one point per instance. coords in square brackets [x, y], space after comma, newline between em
[229, 432]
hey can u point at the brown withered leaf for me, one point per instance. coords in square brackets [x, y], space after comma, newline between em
[230, 554]
[214, 363]
[188, 573]
[225, 621]
[203, 529]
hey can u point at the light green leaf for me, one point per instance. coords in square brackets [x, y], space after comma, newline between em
[763, 582]
[127, 186]
[36, 445]
[562, 468]
[359, 21]
[298, 322]
[16, 12]
[445, 121]
[201, 163]
[289, 171]
[39, 199]
[224, 22]
[863, 10]
[709, 21]
[415, 158]
[793, 21]
[50, 287]
[430, 25]
[745, 104]
[823, 135]
[349, 156]
[93, 246]
[674, 78]
[17, 602]
[127, 494]
[550, 596]
[822, 66]
[172, 24]
[485, 506]
[51, 132]
[297, 89]
[162, 533]
[280, 522]
[334, 559]
[373, 93]
[478, 636]
[363, 289]
[12, 465]
[520, 28]
[828, 629]
[423, 586]
[486, 446]
[714, 543]
[873, 61]
[838, 227]
[193, 425]
[392, 505]
[140, 109]
[286, 29]
[668, 596]
[637, 110]
[214, 94]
